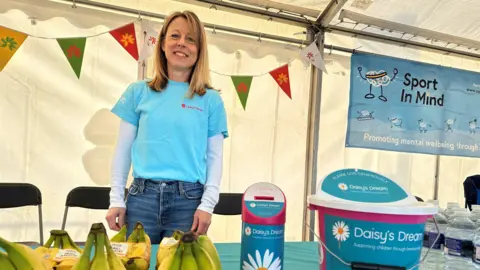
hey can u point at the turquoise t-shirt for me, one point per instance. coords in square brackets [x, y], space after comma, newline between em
[172, 130]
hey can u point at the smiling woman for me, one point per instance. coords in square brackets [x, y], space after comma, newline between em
[169, 125]
[183, 44]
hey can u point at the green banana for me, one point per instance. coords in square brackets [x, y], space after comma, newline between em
[207, 244]
[84, 262]
[23, 257]
[73, 245]
[177, 234]
[188, 260]
[99, 262]
[121, 236]
[5, 263]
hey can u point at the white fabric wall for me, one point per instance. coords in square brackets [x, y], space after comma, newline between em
[58, 133]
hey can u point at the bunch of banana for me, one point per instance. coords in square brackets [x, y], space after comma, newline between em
[59, 252]
[19, 256]
[139, 249]
[97, 237]
[187, 251]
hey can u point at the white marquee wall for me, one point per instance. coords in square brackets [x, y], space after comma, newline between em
[58, 132]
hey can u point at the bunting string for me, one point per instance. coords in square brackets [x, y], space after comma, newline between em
[74, 48]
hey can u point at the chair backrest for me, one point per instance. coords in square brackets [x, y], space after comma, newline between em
[89, 197]
[229, 204]
[19, 194]
[22, 194]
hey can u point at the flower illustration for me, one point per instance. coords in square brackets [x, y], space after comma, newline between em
[342, 186]
[127, 39]
[266, 264]
[341, 232]
[282, 78]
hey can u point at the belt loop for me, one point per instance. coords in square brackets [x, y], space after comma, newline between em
[180, 188]
[141, 184]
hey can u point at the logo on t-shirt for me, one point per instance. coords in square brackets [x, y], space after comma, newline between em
[191, 107]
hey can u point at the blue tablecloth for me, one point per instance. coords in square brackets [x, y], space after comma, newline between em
[297, 255]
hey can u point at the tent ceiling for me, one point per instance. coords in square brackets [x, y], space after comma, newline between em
[459, 19]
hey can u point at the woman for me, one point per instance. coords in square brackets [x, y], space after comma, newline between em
[172, 130]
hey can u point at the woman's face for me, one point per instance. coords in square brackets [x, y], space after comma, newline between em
[180, 46]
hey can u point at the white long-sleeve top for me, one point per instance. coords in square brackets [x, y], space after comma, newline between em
[121, 164]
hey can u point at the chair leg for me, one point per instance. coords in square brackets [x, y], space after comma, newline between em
[40, 222]
[64, 217]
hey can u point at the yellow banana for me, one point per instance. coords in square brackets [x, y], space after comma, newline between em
[5, 263]
[114, 261]
[23, 257]
[203, 259]
[167, 247]
[174, 261]
[138, 255]
[121, 236]
[83, 263]
[99, 261]
[67, 262]
[188, 260]
[205, 242]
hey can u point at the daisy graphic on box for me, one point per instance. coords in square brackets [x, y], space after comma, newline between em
[265, 263]
[342, 186]
[341, 232]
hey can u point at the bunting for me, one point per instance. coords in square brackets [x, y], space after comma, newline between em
[10, 42]
[126, 37]
[282, 77]
[150, 40]
[74, 49]
[242, 86]
[312, 54]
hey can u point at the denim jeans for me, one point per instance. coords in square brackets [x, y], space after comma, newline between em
[162, 206]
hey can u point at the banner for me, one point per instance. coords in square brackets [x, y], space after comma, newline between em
[405, 106]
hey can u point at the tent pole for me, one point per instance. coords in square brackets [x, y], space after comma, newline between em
[312, 135]
[437, 180]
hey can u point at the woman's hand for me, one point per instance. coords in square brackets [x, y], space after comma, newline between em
[201, 222]
[113, 214]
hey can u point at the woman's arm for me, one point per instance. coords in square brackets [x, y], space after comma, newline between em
[121, 163]
[214, 173]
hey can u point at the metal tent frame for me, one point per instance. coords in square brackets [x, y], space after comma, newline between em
[315, 30]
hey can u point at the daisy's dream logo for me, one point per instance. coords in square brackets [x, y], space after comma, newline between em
[258, 263]
[342, 186]
[341, 232]
[248, 231]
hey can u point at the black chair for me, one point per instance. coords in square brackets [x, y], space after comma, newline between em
[229, 204]
[22, 194]
[97, 198]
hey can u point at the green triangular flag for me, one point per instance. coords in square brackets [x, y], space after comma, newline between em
[73, 48]
[242, 86]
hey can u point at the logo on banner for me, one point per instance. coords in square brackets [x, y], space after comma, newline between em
[377, 79]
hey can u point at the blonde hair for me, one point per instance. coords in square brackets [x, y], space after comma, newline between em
[199, 78]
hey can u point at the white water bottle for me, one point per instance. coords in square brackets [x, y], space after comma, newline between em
[458, 249]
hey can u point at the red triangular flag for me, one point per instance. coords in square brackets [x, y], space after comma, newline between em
[281, 76]
[126, 37]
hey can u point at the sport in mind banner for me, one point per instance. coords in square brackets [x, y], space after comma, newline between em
[407, 106]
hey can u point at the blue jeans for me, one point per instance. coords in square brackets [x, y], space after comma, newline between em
[162, 207]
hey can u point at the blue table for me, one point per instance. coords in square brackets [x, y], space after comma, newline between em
[297, 255]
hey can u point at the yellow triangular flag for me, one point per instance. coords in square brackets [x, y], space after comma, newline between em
[10, 41]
